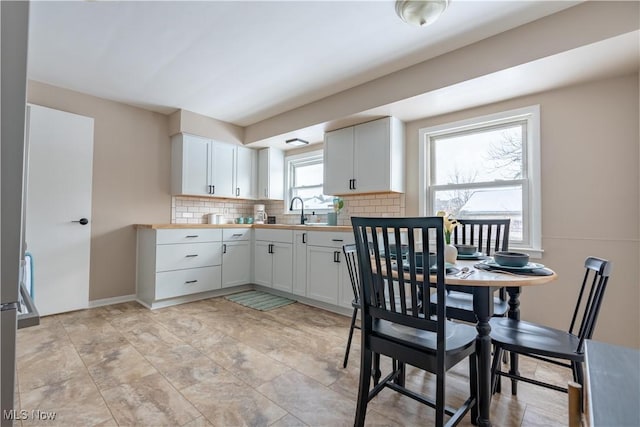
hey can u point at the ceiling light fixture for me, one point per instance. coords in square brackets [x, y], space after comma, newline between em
[420, 12]
[296, 142]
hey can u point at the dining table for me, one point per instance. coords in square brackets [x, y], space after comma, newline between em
[483, 282]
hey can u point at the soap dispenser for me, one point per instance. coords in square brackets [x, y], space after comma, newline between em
[314, 217]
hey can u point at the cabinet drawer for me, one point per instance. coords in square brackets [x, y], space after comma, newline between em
[188, 235]
[271, 235]
[171, 284]
[188, 255]
[233, 234]
[329, 239]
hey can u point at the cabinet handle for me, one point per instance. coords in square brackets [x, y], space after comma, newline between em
[337, 240]
[354, 184]
[270, 248]
[191, 256]
[191, 281]
[224, 248]
[213, 189]
[304, 237]
[191, 236]
[350, 184]
[237, 235]
[237, 191]
[336, 256]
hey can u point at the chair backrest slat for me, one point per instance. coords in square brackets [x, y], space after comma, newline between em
[390, 284]
[595, 282]
[490, 235]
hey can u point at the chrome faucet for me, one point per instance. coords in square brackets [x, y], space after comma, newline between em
[302, 218]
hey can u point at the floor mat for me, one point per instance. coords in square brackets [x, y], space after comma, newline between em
[259, 300]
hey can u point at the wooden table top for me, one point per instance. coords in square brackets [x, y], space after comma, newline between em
[486, 278]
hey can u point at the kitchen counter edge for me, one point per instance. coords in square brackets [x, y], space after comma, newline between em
[272, 226]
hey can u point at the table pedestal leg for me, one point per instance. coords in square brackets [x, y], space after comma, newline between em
[514, 313]
[483, 308]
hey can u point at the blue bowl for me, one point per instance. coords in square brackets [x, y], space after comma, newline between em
[511, 259]
[432, 259]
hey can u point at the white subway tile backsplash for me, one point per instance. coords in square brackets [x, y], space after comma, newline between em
[194, 210]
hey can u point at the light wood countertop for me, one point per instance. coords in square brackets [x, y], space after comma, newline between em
[333, 228]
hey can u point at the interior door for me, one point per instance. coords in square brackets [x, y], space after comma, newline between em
[58, 219]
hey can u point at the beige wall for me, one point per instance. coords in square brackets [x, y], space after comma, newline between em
[131, 173]
[590, 197]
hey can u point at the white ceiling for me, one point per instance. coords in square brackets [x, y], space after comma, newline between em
[240, 61]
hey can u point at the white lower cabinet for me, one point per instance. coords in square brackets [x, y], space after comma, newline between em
[175, 263]
[236, 256]
[273, 259]
[327, 274]
[300, 263]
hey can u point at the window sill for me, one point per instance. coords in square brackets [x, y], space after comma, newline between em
[532, 252]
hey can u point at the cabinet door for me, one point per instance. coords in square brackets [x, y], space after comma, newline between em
[300, 263]
[371, 156]
[322, 274]
[246, 173]
[338, 161]
[283, 266]
[194, 153]
[235, 257]
[346, 290]
[263, 263]
[271, 174]
[223, 160]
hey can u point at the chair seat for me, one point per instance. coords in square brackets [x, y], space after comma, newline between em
[530, 338]
[459, 336]
[460, 306]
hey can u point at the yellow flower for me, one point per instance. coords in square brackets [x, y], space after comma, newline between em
[449, 221]
[449, 224]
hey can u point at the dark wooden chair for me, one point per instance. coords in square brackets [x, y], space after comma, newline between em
[549, 344]
[351, 256]
[396, 327]
[490, 235]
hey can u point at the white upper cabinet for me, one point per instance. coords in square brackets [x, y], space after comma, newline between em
[223, 169]
[202, 167]
[246, 173]
[271, 174]
[366, 158]
[338, 161]
[190, 168]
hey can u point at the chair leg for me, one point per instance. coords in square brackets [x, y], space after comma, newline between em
[440, 403]
[495, 368]
[363, 389]
[353, 324]
[377, 373]
[473, 379]
[401, 367]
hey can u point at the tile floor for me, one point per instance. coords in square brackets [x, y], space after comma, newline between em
[214, 362]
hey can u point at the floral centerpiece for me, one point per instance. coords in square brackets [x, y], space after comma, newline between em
[450, 223]
[332, 217]
[338, 204]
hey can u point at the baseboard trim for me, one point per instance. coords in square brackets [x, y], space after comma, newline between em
[113, 300]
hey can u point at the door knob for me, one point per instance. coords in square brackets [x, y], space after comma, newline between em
[82, 221]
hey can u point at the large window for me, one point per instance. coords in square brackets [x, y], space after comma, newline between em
[487, 167]
[305, 180]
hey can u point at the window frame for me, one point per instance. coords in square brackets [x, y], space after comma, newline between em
[530, 181]
[291, 162]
